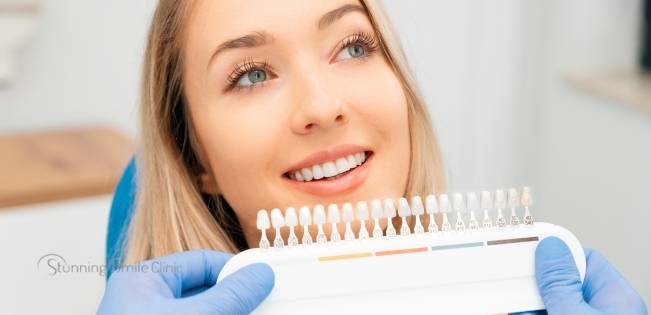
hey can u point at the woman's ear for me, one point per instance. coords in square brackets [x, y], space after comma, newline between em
[208, 184]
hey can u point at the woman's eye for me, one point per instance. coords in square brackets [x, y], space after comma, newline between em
[352, 51]
[251, 78]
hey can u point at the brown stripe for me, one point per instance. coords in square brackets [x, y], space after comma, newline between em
[401, 251]
[347, 256]
[513, 240]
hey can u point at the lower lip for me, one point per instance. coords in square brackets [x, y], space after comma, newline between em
[346, 183]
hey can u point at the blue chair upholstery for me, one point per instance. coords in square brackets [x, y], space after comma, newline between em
[119, 217]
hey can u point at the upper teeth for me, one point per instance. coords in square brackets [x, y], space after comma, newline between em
[329, 169]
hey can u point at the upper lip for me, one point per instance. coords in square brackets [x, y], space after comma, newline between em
[328, 155]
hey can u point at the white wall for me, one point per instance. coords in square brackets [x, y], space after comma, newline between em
[590, 158]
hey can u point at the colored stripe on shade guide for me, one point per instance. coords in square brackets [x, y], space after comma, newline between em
[462, 245]
[513, 240]
[346, 256]
[401, 251]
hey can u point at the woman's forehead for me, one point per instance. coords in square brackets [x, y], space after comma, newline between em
[218, 24]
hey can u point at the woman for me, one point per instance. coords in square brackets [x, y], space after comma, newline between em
[243, 106]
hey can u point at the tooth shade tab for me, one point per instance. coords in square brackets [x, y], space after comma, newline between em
[431, 205]
[526, 197]
[513, 198]
[472, 201]
[290, 217]
[333, 214]
[417, 205]
[277, 219]
[486, 200]
[403, 208]
[389, 208]
[263, 220]
[500, 199]
[376, 209]
[362, 210]
[304, 216]
[444, 203]
[459, 204]
[319, 214]
[349, 214]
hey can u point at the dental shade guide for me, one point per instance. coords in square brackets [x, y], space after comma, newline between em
[417, 270]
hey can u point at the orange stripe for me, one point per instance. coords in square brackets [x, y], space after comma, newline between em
[347, 256]
[401, 251]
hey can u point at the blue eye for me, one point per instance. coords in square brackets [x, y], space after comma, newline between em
[352, 51]
[252, 77]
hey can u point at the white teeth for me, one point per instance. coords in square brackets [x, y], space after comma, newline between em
[305, 217]
[307, 174]
[500, 199]
[417, 205]
[526, 197]
[342, 165]
[348, 212]
[403, 208]
[263, 220]
[376, 209]
[329, 169]
[486, 200]
[352, 162]
[459, 204]
[317, 172]
[513, 198]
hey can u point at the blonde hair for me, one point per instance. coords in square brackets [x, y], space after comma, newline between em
[171, 214]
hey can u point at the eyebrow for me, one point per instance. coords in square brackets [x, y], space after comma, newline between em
[261, 38]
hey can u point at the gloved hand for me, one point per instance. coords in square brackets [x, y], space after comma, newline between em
[604, 290]
[184, 283]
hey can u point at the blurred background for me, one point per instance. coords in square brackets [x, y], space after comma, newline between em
[550, 94]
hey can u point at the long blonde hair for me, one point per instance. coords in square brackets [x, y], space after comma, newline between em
[171, 214]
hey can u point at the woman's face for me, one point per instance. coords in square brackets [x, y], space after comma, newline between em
[282, 92]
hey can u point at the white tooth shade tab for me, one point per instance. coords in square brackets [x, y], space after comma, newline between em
[472, 201]
[389, 208]
[417, 205]
[376, 209]
[277, 219]
[444, 203]
[329, 169]
[317, 172]
[342, 165]
[513, 199]
[431, 205]
[319, 215]
[362, 210]
[333, 214]
[500, 199]
[459, 204]
[263, 220]
[348, 212]
[486, 200]
[403, 208]
[304, 216]
[290, 217]
[526, 199]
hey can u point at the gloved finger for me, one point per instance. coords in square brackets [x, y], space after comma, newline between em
[187, 270]
[541, 312]
[604, 287]
[558, 278]
[240, 292]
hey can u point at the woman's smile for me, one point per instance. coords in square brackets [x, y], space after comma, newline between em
[340, 169]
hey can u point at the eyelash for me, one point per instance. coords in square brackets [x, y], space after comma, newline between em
[365, 39]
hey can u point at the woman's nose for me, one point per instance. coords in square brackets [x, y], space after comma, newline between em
[317, 108]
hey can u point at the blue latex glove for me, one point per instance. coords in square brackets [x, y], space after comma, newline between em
[604, 290]
[184, 283]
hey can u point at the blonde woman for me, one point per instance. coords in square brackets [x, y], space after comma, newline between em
[245, 104]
